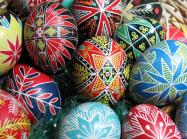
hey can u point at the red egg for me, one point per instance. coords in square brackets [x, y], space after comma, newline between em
[14, 123]
[37, 91]
[97, 17]
[100, 70]
[174, 33]
[51, 36]
[146, 121]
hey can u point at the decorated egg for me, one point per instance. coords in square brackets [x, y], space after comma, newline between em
[100, 70]
[97, 17]
[149, 122]
[174, 33]
[35, 90]
[11, 40]
[159, 76]
[181, 117]
[90, 120]
[28, 5]
[142, 8]
[14, 121]
[137, 35]
[50, 36]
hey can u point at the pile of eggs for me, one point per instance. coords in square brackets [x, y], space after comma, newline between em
[110, 50]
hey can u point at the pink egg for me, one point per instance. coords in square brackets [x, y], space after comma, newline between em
[146, 121]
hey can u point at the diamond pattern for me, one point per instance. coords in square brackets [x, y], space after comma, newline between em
[50, 32]
[107, 73]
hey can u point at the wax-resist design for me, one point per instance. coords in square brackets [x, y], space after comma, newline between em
[14, 123]
[27, 5]
[91, 120]
[142, 9]
[97, 17]
[136, 35]
[159, 76]
[147, 121]
[35, 90]
[100, 70]
[10, 48]
[50, 36]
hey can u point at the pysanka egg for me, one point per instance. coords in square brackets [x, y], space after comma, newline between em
[142, 9]
[50, 36]
[90, 120]
[97, 17]
[146, 121]
[27, 5]
[100, 70]
[37, 91]
[10, 41]
[14, 123]
[137, 35]
[159, 76]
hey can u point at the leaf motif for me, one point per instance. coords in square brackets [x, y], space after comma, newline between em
[33, 75]
[33, 91]
[13, 107]
[54, 100]
[22, 70]
[166, 71]
[28, 83]
[157, 88]
[18, 79]
[14, 124]
[29, 101]
[45, 96]
[41, 106]
[14, 53]
[52, 110]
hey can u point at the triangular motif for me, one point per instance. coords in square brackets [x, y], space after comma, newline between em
[98, 61]
[116, 84]
[100, 3]
[98, 85]
[123, 33]
[116, 60]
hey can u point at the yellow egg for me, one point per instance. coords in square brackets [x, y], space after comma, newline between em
[10, 41]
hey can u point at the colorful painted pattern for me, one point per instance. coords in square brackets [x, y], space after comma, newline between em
[14, 123]
[174, 33]
[137, 35]
[97, 17]
[37, 92]
[50, 36]
[160, 74]
[10, 43]
[28, 5]
[100, 70]
[142, 9]
[91, 120]
[181, 117]
[148, 122]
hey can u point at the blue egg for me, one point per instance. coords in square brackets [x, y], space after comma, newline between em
[160, 75]
[92, 120]
[181, 117]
